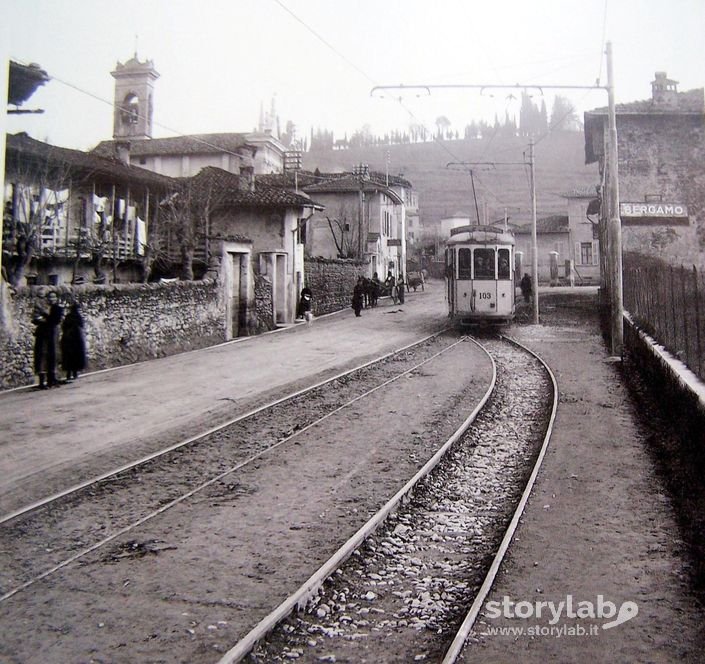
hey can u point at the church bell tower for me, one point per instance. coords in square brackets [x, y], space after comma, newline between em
[134, 95]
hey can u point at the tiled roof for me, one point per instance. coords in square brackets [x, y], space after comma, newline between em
[555, 224]
[584, 192]
[351, 183]
[236, 192]
[289, 181]
[21, 148]
[177, 145]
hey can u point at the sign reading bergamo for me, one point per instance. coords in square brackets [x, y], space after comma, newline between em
[652, 210]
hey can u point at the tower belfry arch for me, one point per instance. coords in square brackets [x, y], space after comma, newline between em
[133, 105]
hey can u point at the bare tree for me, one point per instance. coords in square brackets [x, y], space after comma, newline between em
[188, 212]
[39, 205]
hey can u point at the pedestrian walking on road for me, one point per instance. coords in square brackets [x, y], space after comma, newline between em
[375, 287]
[400, 288]
[46, 318]
[358, 297]
[73, 343]
[525, 285]
[390, 285]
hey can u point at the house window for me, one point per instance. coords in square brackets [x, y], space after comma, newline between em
[586, 253]
[301, 228]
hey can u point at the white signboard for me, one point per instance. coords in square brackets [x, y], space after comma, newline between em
[659, 209]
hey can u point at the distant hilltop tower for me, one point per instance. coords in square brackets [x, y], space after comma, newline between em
[134, 99]
[268, 121]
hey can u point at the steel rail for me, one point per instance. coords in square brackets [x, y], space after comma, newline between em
[241, 464]
[155, 455]
[300, 597]
[463, 632]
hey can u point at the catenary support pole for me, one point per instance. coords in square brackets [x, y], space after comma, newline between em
[534, 239]
[614, 224]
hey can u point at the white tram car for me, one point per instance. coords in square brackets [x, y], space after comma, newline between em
[480, 275]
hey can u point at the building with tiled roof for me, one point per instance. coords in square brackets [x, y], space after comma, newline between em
[364, 217]
[92, 209]
[274, 219]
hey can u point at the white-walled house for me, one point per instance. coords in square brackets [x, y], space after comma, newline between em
[273, 219]
[362, 218]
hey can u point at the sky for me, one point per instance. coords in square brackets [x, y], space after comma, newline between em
[220, 60]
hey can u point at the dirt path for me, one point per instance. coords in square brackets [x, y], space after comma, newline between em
[105, 419]
[187, 585]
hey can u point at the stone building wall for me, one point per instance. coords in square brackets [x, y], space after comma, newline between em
[663, 155]
[124, 323]
[332, 282]
[264, 305]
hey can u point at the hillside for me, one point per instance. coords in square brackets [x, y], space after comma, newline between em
[444, 190]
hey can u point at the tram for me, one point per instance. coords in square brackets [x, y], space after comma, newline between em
[480, 275]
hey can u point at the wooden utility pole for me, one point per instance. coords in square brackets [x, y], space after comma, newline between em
[614, 224]
[534, 238]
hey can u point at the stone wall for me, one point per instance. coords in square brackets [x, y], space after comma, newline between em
[332, 282]
[662, 156]
[264, 305]
[124, 323]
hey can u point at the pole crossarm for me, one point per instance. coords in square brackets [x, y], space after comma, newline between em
[377, 89]
[487, 163]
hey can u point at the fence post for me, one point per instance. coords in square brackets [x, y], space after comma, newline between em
[697, 321]
[686, 335]
[674, 349]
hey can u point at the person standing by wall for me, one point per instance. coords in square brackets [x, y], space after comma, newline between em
[306, 305]
[525, 286]
[46, 318]
[400, 288]
[73, 343]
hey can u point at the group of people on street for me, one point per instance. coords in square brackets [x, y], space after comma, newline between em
[55, 332]
[367, 291]
[365, 295]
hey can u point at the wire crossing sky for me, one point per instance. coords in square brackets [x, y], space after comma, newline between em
[222, 61]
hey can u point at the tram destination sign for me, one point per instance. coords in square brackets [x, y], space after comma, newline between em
[652, 214]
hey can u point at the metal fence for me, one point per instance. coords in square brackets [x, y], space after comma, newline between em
[668, 302]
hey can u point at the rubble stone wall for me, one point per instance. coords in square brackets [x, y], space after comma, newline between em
[124, 323]
[332, 282]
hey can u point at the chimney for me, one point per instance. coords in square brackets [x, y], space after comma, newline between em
[122, 150]
[247, 179]
[664, 91]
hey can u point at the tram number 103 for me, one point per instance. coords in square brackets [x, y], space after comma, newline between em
[485, 296]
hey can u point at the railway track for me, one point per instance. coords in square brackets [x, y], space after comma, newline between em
[411, 582]
[72, 558]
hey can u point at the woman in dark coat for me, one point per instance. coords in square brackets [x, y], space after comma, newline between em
[46, 318]
[525, 285]
[358, 297]
[73, 344]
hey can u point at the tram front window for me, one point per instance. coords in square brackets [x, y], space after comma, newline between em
[464, 263]
[503, 264]
[483, 263]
